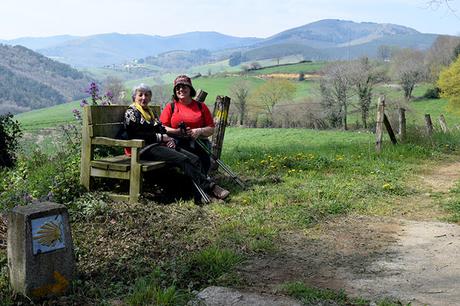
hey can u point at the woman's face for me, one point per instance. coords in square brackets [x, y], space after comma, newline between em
[143, 98]
[182, 91]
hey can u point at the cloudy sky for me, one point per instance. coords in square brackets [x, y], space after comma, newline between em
[256, 18]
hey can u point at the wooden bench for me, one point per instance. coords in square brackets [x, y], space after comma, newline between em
[101, 125]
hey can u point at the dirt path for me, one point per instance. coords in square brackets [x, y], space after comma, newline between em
[409, 257]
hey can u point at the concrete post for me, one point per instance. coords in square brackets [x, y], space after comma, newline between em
[41, 257]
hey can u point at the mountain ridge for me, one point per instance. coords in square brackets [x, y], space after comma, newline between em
[325, 36]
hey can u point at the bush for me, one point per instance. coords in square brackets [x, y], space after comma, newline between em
[432, 93]
[42, 176]
[10, 132]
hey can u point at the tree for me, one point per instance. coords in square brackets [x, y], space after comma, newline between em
[271, 93]
[115, 86]
[456, 51]
[10, 132]
[408, 70]
[335, 87]
[240, 93]
[449, 83]
[437, 3]
[161, 94]
[235, 59]
[441, 54]
[363, 77]
[384, 53]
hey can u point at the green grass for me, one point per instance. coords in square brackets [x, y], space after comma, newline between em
[312, 296]
[48, 117]
[295, 179]
[217, 67]
[297, 68]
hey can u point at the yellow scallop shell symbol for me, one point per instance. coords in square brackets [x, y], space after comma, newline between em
[49, 234]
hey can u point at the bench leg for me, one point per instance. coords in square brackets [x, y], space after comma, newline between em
[135, 183]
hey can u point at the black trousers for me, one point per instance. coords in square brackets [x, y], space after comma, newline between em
[188, 162]
[196, 149]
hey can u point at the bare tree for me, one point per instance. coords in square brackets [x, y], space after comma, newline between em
[161, 94]
[363, 77]
[441, 54]
[408, 69]
[271, 93]
[437, 3]
[384, 53]
[240, 94]
[115, 86]
[335, 87]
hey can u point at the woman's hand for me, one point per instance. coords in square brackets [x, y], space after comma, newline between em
[170, 143]
[194, 133]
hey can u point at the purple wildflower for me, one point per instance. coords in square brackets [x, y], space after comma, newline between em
[76, 114]
[83, 102]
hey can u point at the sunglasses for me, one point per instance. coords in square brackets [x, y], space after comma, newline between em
[178, 87]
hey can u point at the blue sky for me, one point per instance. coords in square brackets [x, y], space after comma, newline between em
[256, 18]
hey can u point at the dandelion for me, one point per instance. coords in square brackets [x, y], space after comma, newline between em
[387, 186]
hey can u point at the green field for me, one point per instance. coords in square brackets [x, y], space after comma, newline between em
[296, 68]
[221, 85]
[48, 117]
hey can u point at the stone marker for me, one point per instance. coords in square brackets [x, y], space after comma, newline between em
[41, 258]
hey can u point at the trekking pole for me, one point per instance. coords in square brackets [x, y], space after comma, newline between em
[203, 194]
[222, 165]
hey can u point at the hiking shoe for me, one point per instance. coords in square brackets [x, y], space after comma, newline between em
[220, 192]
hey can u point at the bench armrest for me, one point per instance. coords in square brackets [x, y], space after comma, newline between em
[106, 141]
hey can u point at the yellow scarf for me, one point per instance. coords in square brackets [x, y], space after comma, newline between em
[147, 114]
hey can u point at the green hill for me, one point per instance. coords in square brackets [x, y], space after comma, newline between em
[29, 80]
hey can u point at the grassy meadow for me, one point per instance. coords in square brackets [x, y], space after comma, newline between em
[162, 251]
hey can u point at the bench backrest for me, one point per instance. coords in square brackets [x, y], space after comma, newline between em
[106, 121]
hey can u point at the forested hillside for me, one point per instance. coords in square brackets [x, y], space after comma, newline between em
[29, 80]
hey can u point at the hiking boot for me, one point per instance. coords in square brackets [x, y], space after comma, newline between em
[220, 192]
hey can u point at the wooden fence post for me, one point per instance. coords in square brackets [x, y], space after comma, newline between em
[389, 129]
[402, 124]
[442, 122]
[379, 124]
[429, 125]
[201, 95]
[220, 114]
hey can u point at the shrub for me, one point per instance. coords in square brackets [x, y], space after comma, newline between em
[432, 93]
[10, 132]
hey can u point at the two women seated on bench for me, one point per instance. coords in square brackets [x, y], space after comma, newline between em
[141, 123]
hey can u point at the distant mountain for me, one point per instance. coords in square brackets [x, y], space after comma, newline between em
[114, 48]
[29, 80]
[35, 43]
[320, 40]
[331, 39]
[329, 33]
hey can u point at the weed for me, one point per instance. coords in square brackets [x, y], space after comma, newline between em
[147, 291]
[206, 266]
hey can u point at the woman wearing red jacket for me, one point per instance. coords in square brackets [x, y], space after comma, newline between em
[194, 118]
